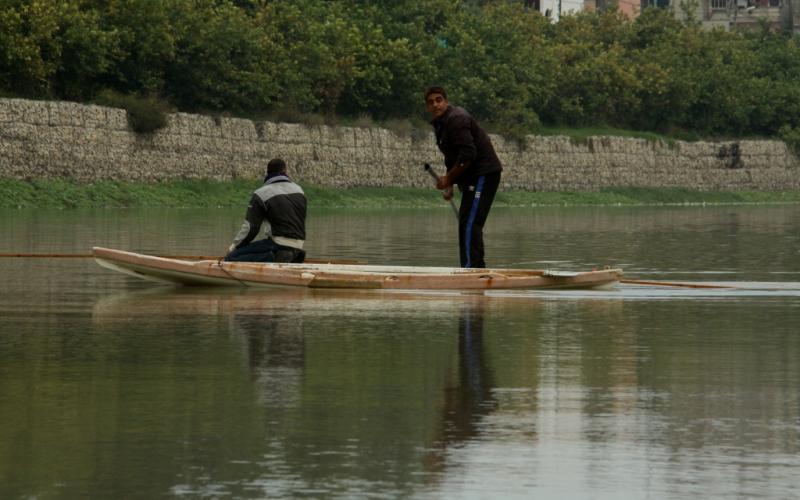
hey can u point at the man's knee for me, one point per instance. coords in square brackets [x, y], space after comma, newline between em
[251, 254]
[290, 255]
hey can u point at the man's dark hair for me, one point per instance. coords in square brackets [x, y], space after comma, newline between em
[435, 90]
[276, 166]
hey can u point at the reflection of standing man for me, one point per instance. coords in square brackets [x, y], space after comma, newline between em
[470, 400]
[473, 398]
[472, 164]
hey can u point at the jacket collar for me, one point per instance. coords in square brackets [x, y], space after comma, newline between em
[271, 178]
[444, 115]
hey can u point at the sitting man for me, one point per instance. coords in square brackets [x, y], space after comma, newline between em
[281, 204]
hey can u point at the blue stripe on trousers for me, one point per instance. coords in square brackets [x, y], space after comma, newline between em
[471, 221]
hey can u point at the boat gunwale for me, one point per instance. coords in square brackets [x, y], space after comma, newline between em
[211, 272]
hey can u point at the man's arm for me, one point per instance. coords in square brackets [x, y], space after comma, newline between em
[252, 224]
[467, 151]
[448, 179]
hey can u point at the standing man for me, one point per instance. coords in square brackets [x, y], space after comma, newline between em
[282, 205]
[472, 164]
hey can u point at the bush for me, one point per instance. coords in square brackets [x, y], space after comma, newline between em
[791, 136]
[145, 114]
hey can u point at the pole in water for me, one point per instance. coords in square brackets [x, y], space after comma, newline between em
[427, 167]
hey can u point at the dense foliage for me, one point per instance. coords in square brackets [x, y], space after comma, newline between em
[510, 66]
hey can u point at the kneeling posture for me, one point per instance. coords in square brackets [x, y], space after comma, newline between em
[280, 205]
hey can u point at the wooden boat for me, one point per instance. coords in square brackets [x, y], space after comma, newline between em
[344, 276]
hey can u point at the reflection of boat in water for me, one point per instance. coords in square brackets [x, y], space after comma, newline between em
[192, 301]
[344, 276]
[216, 301]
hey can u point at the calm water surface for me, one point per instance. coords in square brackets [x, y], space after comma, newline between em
[115, 388]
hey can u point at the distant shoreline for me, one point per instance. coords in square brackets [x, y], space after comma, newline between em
[64, 194]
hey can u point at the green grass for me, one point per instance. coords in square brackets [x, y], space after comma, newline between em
[65, 194]
[61, 193]
[580, 135]
[645, 196]
[365, 197]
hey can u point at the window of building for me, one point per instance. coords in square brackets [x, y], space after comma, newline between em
[662, 4]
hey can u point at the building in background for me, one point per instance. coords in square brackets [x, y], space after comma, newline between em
[749, 14]
[554, 9]
[741, 14]
[727, 14]
[630, 8]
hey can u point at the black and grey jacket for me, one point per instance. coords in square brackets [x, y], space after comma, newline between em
[280, 205]
[462, 140]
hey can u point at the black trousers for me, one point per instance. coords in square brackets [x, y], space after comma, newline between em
[266, 251]
[476, 201]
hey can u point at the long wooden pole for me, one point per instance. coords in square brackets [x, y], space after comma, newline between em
[46, 255]
[667, 283]
[177, 257]
[88, 255]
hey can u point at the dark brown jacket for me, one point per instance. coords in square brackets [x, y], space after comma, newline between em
[461, 139]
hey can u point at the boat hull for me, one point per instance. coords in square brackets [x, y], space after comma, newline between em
[343, 276]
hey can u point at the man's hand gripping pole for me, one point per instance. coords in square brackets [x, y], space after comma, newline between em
[429, 169]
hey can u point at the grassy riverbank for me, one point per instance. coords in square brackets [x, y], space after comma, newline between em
[204, 193]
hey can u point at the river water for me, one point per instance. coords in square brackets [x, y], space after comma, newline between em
[112, 387]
